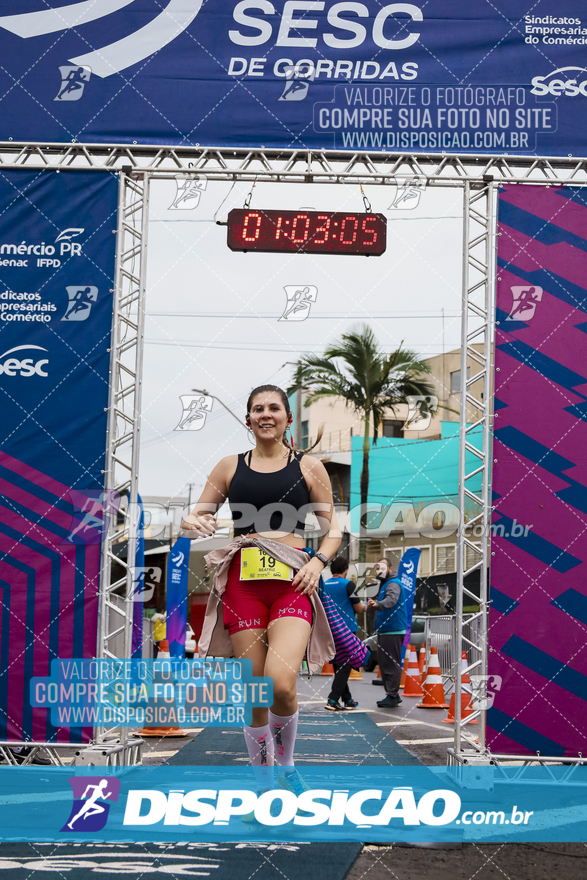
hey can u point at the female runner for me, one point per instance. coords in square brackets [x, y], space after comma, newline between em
[272, 620]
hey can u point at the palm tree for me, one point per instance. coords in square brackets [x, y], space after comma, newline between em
[369, 381]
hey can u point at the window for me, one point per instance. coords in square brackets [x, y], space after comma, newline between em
[393, 428]
[305, 436]
[424, 567]
[394, 555]
[424, 564]
[455, 380]
[446, 559]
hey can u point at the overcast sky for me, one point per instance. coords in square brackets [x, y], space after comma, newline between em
[212, 314]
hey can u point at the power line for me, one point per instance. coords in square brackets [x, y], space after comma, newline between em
[389, 219]
[279, 346]
[330, 317]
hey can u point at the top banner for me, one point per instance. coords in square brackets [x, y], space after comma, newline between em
[460, 76]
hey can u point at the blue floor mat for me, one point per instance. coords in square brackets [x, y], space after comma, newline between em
[349, 738]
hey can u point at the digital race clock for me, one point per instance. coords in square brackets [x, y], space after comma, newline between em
[307, 232]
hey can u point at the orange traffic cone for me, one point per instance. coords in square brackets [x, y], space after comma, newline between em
[355, 675]
[327, 669]
[377, 680]
[405, 669]
[433, 689]
[464, 663]
[421, 661]
[413, 687]
[467, 707]
[162, 731]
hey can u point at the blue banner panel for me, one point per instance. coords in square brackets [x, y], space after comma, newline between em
[177, 596]
[384, 804]
[57, 254]
[452, 75]
[138, 593]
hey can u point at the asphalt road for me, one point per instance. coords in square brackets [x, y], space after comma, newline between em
[420, 731]
[509, 861]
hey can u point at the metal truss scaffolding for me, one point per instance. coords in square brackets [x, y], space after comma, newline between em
[477, 326]
[478, 176]
[123, 433]
[295, 166]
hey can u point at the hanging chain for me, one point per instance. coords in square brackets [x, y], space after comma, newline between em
[366, 201]
[250, 195]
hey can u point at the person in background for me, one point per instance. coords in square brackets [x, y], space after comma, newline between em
[342, 592]
[159, 628]
[390, 625]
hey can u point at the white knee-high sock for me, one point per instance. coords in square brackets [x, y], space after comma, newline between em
[284, 729]
[261, 749]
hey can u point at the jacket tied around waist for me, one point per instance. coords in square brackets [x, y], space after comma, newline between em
[215, 640]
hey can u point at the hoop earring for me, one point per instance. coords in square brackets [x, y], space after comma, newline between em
[250, 433]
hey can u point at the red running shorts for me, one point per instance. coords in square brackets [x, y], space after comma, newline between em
[254, 604]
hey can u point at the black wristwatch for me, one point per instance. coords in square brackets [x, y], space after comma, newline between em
[323, 559]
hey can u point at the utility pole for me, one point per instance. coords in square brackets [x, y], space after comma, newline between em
[299, 392]
[297, 434]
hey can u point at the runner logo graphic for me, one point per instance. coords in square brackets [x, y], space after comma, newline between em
[525, 299]
[144, 579]
[299, 302]
[296, 83]
[73, 82]
[407, 194]
[420, 410]
[92, 510]
[484, 688]
[188, 194]
[90, 802]
[195, 408]
[81, 299]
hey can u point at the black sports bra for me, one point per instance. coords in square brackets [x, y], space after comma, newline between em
[268, 502]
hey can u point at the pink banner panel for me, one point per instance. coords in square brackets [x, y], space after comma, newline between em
[538, 618]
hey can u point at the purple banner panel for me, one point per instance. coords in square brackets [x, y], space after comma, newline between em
[50, 540]
[538, 619]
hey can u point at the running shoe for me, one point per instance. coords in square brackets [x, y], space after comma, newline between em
[292, 781]
[349, 705]
[249, 818]
[333, 706]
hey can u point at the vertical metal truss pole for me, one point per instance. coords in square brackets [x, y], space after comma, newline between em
[476, 329]
[124, 419]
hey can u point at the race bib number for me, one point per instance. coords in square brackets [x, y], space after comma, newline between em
[258, 565]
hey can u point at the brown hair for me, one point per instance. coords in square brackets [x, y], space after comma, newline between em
[260, 389]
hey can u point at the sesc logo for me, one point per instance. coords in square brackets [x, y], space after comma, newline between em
[16, 366]
[568, 81]
[172, 19]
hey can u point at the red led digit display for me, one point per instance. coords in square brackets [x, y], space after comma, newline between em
[307, 232]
